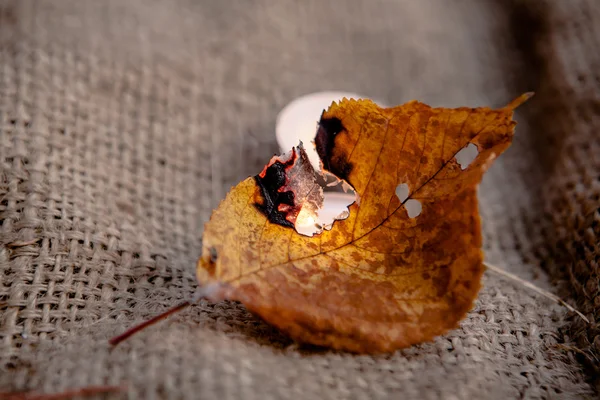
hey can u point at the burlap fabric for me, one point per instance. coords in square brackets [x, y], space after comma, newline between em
[123, 123]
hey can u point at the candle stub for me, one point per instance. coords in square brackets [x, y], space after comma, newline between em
[298, 122]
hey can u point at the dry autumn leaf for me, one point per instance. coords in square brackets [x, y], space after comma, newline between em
[405, 265]
[381, 279]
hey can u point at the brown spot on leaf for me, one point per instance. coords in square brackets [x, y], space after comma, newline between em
[441, 280]
[325, 140]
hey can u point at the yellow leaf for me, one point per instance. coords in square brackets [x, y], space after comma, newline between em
[384, 278]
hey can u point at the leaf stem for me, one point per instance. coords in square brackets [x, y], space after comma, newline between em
[85, 391]
[518, 101]
[135, 329]
[536, 289]
[205, 292]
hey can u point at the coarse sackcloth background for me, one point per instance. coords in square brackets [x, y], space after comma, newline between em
[124, 123]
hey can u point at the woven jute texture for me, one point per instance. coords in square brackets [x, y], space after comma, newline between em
[124, 123]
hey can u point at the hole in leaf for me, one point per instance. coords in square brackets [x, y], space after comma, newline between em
[296, 195]
[466, 155]
[402, 192]
[413, 208]
[213, 255]
[337, 197]
[335, 206]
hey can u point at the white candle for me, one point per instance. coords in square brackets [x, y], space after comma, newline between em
[297, 122]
